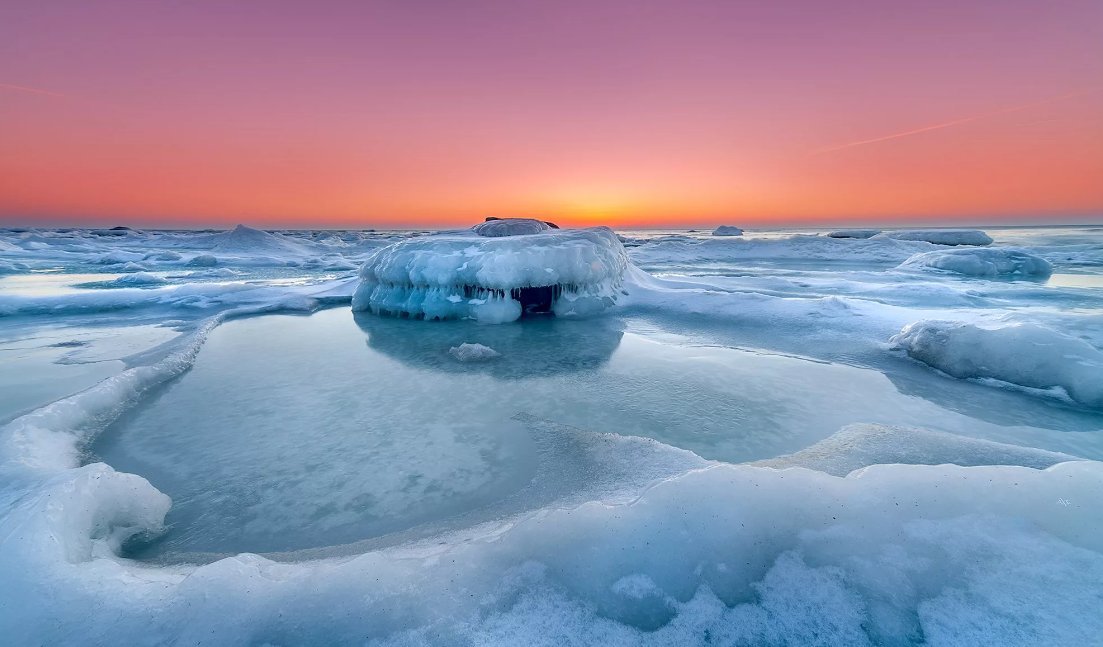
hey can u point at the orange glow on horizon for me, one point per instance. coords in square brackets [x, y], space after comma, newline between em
[385, 115]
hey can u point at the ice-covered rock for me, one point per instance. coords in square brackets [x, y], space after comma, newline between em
[499, 227]
[992, 262]
[727, 230]
[203, 260]
[473, 352]
[460, 275]
[1022, 354]
[853, 233]
[941, 236]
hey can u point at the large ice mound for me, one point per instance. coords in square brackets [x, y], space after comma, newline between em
[988, 263]
[467, 275]
[727, 230]
[1023, 354]
[941, 236]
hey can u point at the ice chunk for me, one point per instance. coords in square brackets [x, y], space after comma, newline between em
[473, 352]
[853, 233]
[861, 445]
[137, 279]
[1023, 354]
[727, 230]
[203, 260]
[993, 262]
[941, 236]
[510, 227]
[461, 275]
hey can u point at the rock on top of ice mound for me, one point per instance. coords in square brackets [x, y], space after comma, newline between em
[992, 262]
[1022, 354]
[500, 227]
[853, 233]
[727, 230]
[941, 236]
[461, 275]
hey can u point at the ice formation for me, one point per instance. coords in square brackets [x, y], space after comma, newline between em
[1023, 354]
[941, 236]
[991, 262]
[460, 275]
[727, 230]
[860, 445]
[853, 233]
[473, 352]
[137, 279]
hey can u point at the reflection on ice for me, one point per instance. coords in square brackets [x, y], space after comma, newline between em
[292, 433]
[539, 347]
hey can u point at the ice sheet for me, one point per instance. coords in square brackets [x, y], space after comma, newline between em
[583, 486]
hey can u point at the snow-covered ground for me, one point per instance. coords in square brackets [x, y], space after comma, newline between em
[783, 437]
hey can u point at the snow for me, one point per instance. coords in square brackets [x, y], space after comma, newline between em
[1023, 354]
[860, 445]
[727, 230]
[473, 352]
[941, 236]
[853, 233]
[460, 275]
[992, 262]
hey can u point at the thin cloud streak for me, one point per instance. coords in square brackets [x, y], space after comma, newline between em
[951, 124]
[29, 90]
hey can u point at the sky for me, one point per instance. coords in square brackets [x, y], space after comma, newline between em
[629, 113]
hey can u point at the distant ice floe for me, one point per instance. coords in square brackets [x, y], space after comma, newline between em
[462, 274]
[940, 236]
[246, 240]
[473, 352]
[805, 248]
[1022, 354]
[853, 233]
[992, 262]
[727, 230]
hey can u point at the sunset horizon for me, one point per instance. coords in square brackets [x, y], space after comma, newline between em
[634, 115]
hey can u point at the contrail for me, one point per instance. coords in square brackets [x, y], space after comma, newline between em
[949, 124]
[23, 88]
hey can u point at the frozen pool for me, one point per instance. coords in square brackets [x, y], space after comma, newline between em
[299, 432]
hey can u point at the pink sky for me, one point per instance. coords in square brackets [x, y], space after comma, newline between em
[637, 113]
